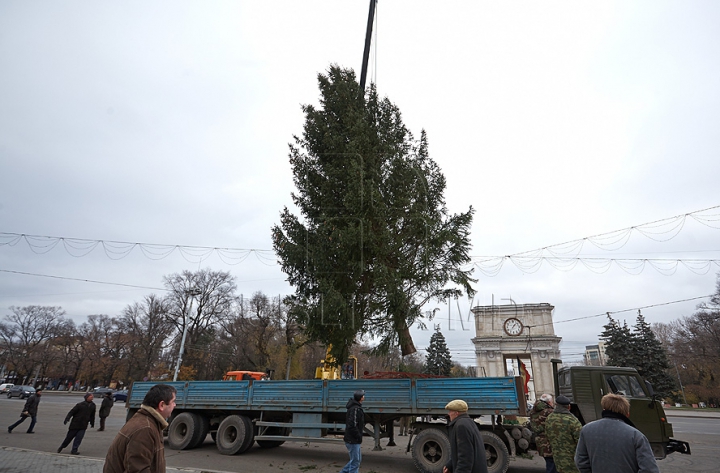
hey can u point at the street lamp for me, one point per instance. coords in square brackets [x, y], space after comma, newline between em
[192, 292]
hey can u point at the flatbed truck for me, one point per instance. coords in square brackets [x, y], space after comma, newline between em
[239, 413]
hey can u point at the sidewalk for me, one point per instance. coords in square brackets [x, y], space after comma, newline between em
[20, 460]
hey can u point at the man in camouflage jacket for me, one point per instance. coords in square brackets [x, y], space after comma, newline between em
[563, 431]
[540, 412]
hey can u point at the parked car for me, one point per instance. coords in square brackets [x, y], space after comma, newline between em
[120, 395]
[100, 392]
[21, 391]
[5, 387]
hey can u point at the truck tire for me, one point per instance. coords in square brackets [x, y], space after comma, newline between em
[203, 429]
[431, 450]
[496, 453]
[184, 431]
[235, 435]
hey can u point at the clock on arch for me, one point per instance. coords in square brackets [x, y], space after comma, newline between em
[513, 327]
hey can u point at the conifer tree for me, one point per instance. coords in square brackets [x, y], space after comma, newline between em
[373, 241]
[651, 358]
[438, 360]
[618, 343]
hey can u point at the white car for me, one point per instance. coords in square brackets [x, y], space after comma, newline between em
[5, 386]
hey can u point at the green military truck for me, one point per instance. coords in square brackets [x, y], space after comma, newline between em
[586, 385]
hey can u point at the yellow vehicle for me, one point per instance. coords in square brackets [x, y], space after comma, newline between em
[329, 369]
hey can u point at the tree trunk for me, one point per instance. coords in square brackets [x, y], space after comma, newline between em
[407, 347]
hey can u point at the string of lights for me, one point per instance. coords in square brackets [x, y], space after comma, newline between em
[561, 256]
[491, 267]
[116, 250]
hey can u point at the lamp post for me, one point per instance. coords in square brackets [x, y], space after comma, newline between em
[192, 292]
[682, 390]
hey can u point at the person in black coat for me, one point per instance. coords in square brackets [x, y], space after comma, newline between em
[354, 425]
[30, 410]
[467, 449]
[82, 414]
[105, 407]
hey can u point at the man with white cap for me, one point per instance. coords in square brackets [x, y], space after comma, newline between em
[467, 450]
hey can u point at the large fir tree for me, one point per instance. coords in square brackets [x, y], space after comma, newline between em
[438, 360]
[374, 240]
[639, 349]
[618, 343]
[652, 358]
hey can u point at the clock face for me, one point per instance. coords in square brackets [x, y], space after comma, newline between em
[513, 327]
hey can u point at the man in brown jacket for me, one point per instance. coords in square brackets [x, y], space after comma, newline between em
[139, 444]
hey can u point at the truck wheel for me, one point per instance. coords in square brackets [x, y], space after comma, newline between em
[496, 453]
[431, 450]
[184, 431]
[235, 435]
[203, 429]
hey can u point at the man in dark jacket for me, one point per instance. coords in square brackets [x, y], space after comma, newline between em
[30, 410]
[82, 414]
[613, 443]
[354, 425]
[105, 410]
[139, 444]
[467, 449]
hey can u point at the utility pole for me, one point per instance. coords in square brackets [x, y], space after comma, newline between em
[192, 292]
[682, 390]
[368, 37]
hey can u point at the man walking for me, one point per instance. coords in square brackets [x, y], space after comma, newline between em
[613, 443]
[538, 416]
[139, 444]
[105, 407]
[30, 410]
[563, 431]
[82, 414]
[354, 425]
[467, 449]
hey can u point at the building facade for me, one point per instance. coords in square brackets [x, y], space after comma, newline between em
[595, 355]
[506, 334]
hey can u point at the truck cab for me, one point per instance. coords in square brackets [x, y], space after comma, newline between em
[245, 375]
[586, 385]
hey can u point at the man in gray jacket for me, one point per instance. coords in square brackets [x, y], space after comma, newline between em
[613, 443]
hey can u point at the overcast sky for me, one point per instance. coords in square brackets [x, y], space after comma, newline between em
[168, 123]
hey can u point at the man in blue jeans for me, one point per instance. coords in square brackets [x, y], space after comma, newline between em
[354, 425]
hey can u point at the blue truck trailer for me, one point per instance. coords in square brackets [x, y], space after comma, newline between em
[238, 413]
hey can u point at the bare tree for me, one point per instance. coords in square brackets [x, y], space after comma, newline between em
[212, 306]
[147, 325]
[25, 335]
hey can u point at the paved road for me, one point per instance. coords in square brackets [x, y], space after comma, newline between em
[20, 452]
